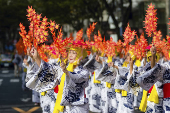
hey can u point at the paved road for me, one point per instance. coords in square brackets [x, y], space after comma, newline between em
[12, 98]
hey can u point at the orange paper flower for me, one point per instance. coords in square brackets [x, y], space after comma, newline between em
[128, 36]
[150, 20]
[90, 30]
[110, 48]
[20, 47]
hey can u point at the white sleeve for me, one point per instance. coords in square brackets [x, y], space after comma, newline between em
[150, 77]
[44, 77]
[106, 74]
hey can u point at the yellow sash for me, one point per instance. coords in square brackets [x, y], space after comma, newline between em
[124, 93]
[108, 85]
[154, 96]
[25, 69]
[125, 64]
[138, 63]
[117, 90]
[132, 55]
[143, 103]
[96, 81]
[43, 93]
[58, 108]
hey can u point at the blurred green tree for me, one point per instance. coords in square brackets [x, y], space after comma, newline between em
[12, 12]
[72, 12]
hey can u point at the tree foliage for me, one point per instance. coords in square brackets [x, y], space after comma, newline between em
[12, 12]
[72, 12]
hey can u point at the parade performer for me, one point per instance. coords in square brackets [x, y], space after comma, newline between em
[157, 73]
[107, 75]
[95, 94]
[72, 83]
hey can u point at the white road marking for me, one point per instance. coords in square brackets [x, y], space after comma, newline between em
[1, 81]
[14, 80]
[25, 99]
[7, 75]
[5, 71]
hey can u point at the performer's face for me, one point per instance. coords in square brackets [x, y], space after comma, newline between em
[28, 51]
[72, 56]
[165, 59]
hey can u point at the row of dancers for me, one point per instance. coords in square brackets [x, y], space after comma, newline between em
[97, 83]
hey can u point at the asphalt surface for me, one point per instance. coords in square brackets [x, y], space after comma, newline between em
[12, 98]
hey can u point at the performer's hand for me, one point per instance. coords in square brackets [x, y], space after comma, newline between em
[131, 61]
[153, 57]
[111, 64]
[123, 52]
[63, 67]
[29, 52]
[161, 55]
[131, 65]
[97, 58]
[25, 62]
[165, 59]
[145, 55]
[153, 49]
